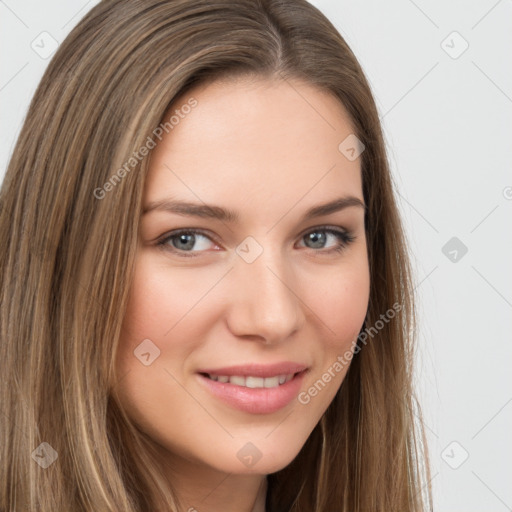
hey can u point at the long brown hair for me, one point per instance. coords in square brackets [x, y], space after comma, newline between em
[67, 258]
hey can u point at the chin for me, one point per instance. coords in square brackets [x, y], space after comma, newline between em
[260, 456]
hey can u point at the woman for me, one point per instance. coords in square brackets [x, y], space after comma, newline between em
[206, 296]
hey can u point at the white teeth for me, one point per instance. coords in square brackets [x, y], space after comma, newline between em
[254, 382]
[236, 379]
[271, 382]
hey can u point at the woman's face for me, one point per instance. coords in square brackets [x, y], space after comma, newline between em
[268, 283]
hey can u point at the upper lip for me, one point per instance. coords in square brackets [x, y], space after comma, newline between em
[257, 370]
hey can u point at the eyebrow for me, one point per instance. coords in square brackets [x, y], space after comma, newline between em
[223, 214]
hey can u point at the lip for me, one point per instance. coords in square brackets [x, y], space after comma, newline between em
[255, 400]
[257, 370]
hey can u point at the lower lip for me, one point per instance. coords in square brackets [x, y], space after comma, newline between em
[255, 400]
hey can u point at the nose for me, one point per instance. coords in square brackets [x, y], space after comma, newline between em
[263, 304]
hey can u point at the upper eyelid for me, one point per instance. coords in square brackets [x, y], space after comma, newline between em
[195, 231]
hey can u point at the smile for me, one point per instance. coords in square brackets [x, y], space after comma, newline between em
[253, 382]
[253, 394]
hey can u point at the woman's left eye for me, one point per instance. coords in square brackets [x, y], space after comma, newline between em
[184, 241]
[319, 236]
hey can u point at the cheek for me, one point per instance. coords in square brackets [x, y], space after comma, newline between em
[341, 307]
[343, 304]
[159, 306]
[160, 298]
[154, 308]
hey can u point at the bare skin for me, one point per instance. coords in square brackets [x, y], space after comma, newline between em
[267, 150]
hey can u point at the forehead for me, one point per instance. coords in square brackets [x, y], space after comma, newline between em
[254, 141]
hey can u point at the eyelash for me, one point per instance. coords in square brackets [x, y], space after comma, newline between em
[345, 238]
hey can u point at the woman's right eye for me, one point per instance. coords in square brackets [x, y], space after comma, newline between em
[183, 241]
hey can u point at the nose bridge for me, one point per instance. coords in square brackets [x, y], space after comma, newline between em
[263, 301]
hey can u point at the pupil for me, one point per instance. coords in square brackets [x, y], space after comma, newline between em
[187, 241]
[317, 238]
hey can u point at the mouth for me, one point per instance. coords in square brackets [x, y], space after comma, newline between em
[252, 381]
[254, 394]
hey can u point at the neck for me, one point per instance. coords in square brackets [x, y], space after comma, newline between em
[199, 487]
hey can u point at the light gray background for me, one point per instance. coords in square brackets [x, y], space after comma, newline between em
[447, 120]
